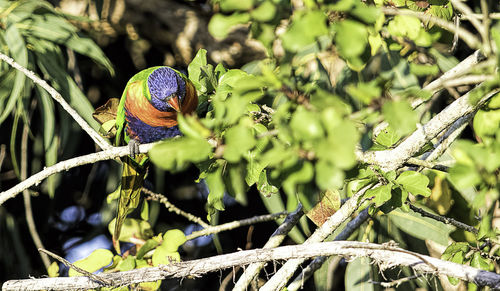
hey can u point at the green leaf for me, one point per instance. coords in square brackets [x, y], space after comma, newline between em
[235, 182]
[238, 140]
[464, 176]
[194, 69]
[481, 263]
[57, 29]
[380, 194]
[98, 259]
[53, 270]
[405, 25]
[328, 176]
[421, 227]
[19, 53]
[149, 245]
[167, 251]
[220, 25]
[304, 30]
[264, 12]
[364, 92]
[388, 137]
[127, 264]
[414, 182]
[486, 122]
[306, 125]
[453, 248]
[235, 5]
[358, 275]
[173, 239]
[132, 228]
[176, 154]
[299, 174]
[216, 186]
[400, 116]
[351, 38]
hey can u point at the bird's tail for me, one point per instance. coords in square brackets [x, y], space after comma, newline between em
[133, 176]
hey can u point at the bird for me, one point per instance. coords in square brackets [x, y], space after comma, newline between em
[147, 112]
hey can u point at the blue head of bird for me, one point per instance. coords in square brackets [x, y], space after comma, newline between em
[167, 89]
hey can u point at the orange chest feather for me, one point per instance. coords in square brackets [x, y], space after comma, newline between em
[137, 105]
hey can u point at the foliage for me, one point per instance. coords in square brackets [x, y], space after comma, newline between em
[35, 35]
[290, 124]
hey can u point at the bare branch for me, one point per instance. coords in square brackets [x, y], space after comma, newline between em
[98, 139]
[394, 158]
[172, 208]
[92, 276]
[308, 271]
[386, 256]
[279, 280]
[235, 224]
[113, 152]
[444, 219]
[275, 240]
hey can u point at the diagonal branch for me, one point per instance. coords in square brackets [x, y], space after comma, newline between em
[113, 152]
[394, 158]
[98, 139]
[386, 255]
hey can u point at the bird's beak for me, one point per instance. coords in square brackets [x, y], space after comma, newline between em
[174, 103]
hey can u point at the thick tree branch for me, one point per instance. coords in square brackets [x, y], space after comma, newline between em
[279, 280]
[315, 264]
[394, 158]
[386, 256]
[275, 240]
[113, 152]
[98, 139]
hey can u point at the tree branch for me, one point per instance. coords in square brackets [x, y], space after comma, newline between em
[394, 158]
[111, 153]
[386, 256]
[172, 208]
[279, 280]
[470, 39]
[308, 271]
[235, 224]
[98, 139]
[275, 240]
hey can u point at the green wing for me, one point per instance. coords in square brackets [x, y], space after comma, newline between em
[120, 114]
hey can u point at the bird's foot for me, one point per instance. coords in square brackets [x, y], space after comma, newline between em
[133, 146]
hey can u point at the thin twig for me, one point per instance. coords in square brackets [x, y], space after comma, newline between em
[467, 80]
[28, 209]
[275, 240]
[172, 208]
[427, 164]
[94, 277]
[465, 10]
[113, 152]
[99, 140]
[397, 282]
[389, 256]
[470, 39]
[444, 219]
[236, 224]
[451, 134]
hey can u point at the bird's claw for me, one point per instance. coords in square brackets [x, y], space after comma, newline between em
[133, 147]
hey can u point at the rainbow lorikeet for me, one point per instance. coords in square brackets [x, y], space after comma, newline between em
[147, 112]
